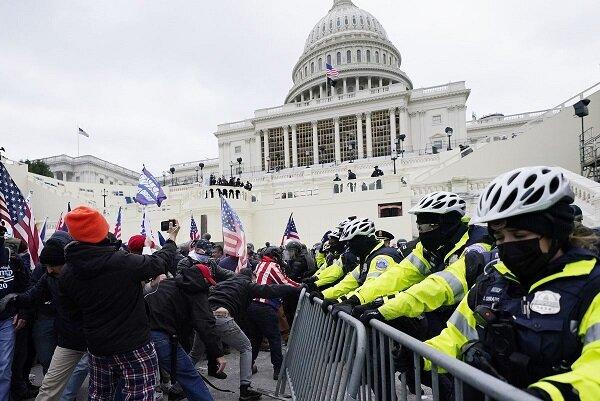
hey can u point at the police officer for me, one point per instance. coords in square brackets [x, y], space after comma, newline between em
[384, 236]
[373, 259]
[534, 319]
[444, 240]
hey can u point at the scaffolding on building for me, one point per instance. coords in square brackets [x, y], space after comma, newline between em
[589, 153]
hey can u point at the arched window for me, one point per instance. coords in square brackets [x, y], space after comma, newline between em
[354, 20]
[329, 59]
[339, 58]
[312, 67]
[377, 57]
[323, 28]
[330, 24]
[320, 64]
[346, 21]
[384, 58]
[348, 57]
[358, 56]
[305, 70]
[339, 22]
[368, 56]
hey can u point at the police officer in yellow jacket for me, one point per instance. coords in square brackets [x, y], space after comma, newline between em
[440, 256]
[342, 261]
[534, 319]
[373, 260]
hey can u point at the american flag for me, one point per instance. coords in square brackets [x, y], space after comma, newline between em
[16, 212]
[234, 238]
[291, 232]
[194, 235]
[118, 225]
[332, 73]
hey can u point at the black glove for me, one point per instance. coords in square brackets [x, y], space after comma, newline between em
[403, 359]
[310, 279]
[326, 303]
[353, 300]
[4, 302]
[310, 287]
[539, 393]
[313, 295]
[341, 307]
[369, 315]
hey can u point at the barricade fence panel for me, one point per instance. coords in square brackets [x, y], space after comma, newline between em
[338, 359]
[325, 355]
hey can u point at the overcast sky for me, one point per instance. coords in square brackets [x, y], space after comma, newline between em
[150, 80]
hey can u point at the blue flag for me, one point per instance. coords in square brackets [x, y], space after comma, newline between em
[149, 190]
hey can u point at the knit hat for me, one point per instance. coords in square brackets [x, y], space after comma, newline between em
[136, 243]
[86, 225]
[53, 253]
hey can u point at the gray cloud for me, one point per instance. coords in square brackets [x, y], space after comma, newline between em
[150, 81]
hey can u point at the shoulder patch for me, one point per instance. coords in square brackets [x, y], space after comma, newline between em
[381, 264]
[475, 248]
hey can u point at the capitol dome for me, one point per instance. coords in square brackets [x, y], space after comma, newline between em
[355, 43]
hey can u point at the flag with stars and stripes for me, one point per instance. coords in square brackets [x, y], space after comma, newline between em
[234, 238]
[332, 74]
[194, 235]
[118, 225]
[291, 232]
[15, 211]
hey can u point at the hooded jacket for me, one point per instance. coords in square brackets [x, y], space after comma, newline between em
[14, 278]
[180, 304]
[236, 293]
[105, 285]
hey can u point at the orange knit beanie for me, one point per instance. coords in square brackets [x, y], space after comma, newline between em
[86, 225]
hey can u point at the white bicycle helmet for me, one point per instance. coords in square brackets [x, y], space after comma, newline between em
[520, 191]
[336, 232]
[440, 202]
[363, 227]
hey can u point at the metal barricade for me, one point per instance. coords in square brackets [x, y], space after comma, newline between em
[325, 356]
[379, 377]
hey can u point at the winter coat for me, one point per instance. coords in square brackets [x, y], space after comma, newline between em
[105, 285]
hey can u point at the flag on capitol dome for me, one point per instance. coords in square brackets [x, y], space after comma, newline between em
[234, 238]
[149, 190]
[332, 74]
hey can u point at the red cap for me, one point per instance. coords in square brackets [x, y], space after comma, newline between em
[207, 274]
[86, 225]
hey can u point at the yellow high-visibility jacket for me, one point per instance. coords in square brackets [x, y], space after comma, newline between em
[583, 376]
[379, 260]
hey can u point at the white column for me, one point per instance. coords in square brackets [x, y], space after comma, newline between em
[294, 146]
[357, 85]
[266, 147]
[321, 90]
[423, 131]
[359, 136]
[315, 143]
[256, 156]
[380, 82]
[405, 128]
[345, 86]
[462, 123]
[392, 130]
[286, 147]
[415, 129]
[369, 135]
[338, 153]
[302, 96]
[370, 85]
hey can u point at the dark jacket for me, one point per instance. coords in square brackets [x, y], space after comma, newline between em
[236, 293]
[180, 304]
[14, 278]
[47, 308]
[68, 327]
[105, 284]
[228, 262]
[218, 273]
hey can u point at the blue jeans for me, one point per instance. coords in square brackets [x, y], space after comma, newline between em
[7, 346]
[186, 376]
[76, 380]
[44, 339]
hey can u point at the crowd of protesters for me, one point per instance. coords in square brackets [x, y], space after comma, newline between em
[231, 182]
[139, 320]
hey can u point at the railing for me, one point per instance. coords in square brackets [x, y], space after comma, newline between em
[335, 358]
[234, 126]
[325, 355]
[357, 186]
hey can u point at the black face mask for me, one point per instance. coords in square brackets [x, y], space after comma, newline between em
[440, 240]
[524, 259]
[361, 246]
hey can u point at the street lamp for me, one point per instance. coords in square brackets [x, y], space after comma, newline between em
[239, 160]
[581, 110]
[172, 170]
[394, 158]
[449, 132]
[201, 165]
[231, 169]
[401, 139]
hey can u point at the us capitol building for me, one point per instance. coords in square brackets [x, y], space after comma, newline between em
[373, 116]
